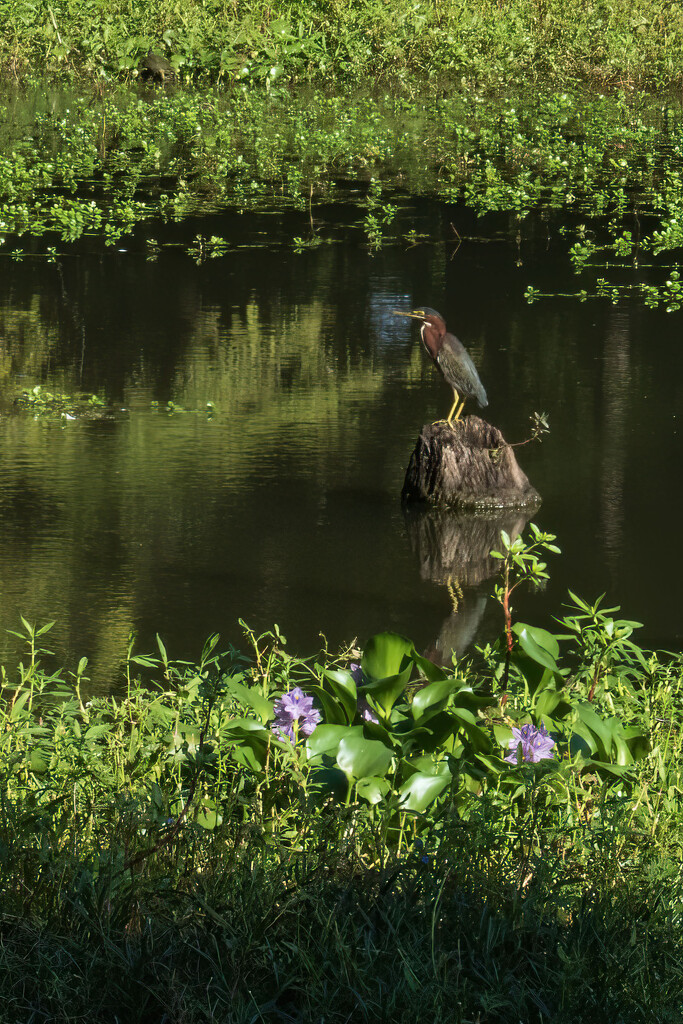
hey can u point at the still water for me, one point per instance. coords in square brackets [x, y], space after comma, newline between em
[280, 501]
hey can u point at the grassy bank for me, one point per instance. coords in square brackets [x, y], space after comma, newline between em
[171, 854]
[444, 42]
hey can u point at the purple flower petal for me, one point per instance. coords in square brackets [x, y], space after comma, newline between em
[531, 743]
[295, 706]
[366, 712]
[357, 674]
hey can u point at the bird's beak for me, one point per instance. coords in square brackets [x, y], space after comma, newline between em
[415, 316]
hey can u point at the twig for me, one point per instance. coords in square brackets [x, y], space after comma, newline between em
[54, 23]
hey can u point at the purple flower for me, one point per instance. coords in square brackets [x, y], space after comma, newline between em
[366, 712]
[364, 709]
[535, 742]
[295, 706]
[357, 673]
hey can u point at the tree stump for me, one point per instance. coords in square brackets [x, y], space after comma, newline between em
[467, 466]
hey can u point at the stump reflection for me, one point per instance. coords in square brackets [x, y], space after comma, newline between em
[455, 550]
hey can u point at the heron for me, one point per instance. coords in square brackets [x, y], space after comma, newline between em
[451, 358]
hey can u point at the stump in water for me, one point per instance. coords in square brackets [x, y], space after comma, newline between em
[467, 465]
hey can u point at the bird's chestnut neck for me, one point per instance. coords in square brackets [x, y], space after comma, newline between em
[431, 338]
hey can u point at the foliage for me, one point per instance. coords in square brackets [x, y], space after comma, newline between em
[637, 41]
[42, 402]
[178, 817]
[608, 168]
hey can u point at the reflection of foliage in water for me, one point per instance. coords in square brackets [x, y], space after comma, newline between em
[609, 168]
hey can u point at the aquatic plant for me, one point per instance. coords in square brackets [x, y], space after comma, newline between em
[295, 715]
[530, 743]
[405, 837]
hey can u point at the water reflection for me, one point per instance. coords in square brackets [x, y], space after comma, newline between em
[279, 500]
[455, 551]
[616, 400]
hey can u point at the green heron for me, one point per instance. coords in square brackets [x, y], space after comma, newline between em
[154, 66]
[450, 356]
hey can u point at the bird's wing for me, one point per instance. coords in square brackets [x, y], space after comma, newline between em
[459, 370]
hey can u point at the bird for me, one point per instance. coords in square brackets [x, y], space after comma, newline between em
[154, 66]
[451, 358]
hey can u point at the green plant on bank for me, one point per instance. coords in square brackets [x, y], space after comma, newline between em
[261, 45]
[408, 740]
[42, 402]
[379, 216]
[177, 827]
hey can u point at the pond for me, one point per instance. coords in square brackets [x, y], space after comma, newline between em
[259, 413]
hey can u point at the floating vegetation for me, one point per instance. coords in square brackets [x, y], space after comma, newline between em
[41, 402]
[602, 176]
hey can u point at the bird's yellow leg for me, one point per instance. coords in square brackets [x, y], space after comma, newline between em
[459, 412]
[455, 592]
[455, 405]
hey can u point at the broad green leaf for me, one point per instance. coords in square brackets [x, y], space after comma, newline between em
[208, 816]
[387, 691]
[249, 697]
[358, 757]
[600, 729]
[421, 790]
[38, 760]
[372, 789]
[326, 738]
[503, 734]
[329, 781]
[428, 669]
[18, 705]
[529, 642]
[548, 702]
[435, 693]
[343, 687]
[384, 654]
[95, 731]
[547, 641]
[334, 712]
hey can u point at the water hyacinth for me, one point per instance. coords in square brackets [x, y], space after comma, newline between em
[532, 743]
[364, 710]
[295, 714]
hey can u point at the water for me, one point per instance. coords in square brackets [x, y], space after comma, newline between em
[283, 505]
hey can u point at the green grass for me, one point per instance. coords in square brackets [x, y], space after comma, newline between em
[444, 42]
[151, 871]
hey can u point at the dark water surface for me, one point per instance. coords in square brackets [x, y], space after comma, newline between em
[283, 506]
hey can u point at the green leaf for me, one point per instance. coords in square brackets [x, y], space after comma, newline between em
[329, 781]
[250, 697]
[343, 686]
[429, 670]
[208, 816]
[334, 711]
[37, 760]
[95, 731]
[358, 757]
[503, 734]
[538, 644]
[18, 705]
[384, 655]
[434, 694]
[372, 789]
[597, 727]
[421, 790]
[326, 739]
[387, 691]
